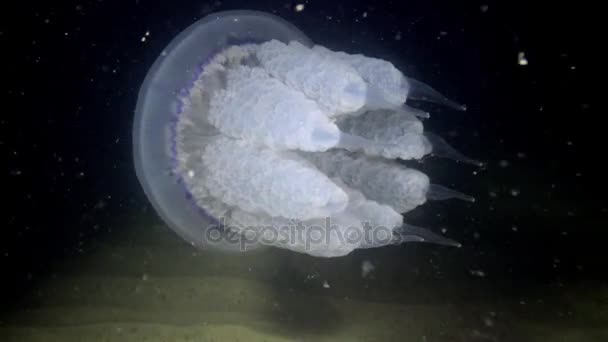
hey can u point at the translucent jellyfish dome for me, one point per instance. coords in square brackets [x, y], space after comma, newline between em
[247, 134]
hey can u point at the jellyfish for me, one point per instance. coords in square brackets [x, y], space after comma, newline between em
[246, 134]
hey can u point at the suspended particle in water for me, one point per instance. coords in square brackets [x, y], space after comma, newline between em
[521, 59]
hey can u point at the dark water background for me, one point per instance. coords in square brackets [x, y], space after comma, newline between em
[535, 238]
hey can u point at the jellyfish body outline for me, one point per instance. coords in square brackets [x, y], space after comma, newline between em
[176, 72]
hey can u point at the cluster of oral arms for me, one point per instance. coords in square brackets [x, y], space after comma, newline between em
[277, 134]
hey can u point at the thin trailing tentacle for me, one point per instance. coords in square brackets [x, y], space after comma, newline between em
[423, 92]
[438, 192]
[442, 149]
[410, 233]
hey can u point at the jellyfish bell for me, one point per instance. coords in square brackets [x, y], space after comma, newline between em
[158, 105]
[247, 135]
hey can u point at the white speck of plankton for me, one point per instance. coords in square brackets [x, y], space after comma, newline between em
[488, 321]
[299, 7]
[364, 14]
[191, 173]
[143, 39]
[366, 268]
[514, 192]
[478, 273]
[521, 59]
[326, 285]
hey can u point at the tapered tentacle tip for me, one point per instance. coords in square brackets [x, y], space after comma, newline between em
[441, 148]
[409, 233]
[453, 244]
[464, 160]
[453, 105]
[477, 163]
[466, 198]
[423, 92]
[438, 192]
